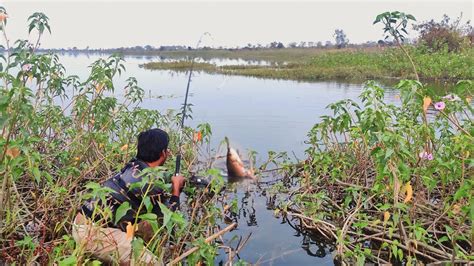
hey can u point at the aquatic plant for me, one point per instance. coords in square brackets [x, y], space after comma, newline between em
[61, 136]
[349, 64]
[386, 186]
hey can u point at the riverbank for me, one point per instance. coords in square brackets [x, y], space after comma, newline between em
[390, 190]
[327, 64]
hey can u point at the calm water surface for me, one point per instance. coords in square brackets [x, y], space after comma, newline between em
[256, 114]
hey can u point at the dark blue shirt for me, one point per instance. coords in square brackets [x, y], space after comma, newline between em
[120, 184]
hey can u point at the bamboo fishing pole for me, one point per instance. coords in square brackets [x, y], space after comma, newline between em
[180, 138]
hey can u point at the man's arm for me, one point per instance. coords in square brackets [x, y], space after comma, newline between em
[177, 184]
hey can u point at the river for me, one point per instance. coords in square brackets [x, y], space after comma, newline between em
[256, 114]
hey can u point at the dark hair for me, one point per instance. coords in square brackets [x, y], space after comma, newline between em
[151, 143]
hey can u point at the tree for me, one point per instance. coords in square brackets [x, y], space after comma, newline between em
[438, 35]
[277, 45]
[341, 38]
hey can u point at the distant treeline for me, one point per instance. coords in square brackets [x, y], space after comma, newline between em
[149, 49]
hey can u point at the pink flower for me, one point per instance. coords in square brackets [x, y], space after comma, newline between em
[426, 156]
[439, 105]
[423, 154]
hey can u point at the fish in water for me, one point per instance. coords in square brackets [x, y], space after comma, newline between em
[235, 166]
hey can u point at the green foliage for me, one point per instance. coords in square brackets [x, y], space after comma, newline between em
[60, 137]
[206, 253]
[395, 24]
[351, 64]
[38, 21]
[392, 160]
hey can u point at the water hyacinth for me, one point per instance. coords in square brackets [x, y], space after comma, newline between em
[439, 106]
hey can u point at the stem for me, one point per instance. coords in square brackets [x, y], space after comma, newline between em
[37, 42]
[8, 53]
[409, 58]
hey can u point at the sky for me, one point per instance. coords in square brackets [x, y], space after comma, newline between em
[110, 24]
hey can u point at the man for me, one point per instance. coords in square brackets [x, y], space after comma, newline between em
[111, 243]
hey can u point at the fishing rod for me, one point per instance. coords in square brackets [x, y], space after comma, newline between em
[180, 138]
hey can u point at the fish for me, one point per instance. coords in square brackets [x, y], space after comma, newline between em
[235, 166]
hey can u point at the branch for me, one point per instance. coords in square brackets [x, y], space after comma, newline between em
[209, 239]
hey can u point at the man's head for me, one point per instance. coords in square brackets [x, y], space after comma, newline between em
[152, 146]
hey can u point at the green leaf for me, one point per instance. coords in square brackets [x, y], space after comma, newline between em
[148, 217]
[394, 249]
[148, 204]
[137, 247]
[31, 27]
[443, 239]
[389, 153]
[72, 260]
[92, 185]
[167, 213]
[36, 174]
[121, 211]
[462, 192]
[400, 254]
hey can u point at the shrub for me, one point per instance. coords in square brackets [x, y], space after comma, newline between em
[445, 34]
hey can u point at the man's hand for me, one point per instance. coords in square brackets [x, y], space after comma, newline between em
[177, 184]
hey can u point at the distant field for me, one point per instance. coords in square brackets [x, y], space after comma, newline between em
[322, 64]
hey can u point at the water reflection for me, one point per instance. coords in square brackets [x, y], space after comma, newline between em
[275, 240]
[313, 244]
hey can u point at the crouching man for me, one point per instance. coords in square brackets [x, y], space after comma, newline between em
[110, 243]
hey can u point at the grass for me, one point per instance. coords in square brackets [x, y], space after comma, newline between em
[180, 66]
[326, 64]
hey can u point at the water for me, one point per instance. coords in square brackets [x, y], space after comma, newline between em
[256, 114]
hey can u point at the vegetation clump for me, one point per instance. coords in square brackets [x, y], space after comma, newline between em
[348, 64]
[452, 36]
[60, 134]
[181, 66]
[392, 183]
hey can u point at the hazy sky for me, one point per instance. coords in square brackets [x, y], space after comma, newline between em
[129, 23]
